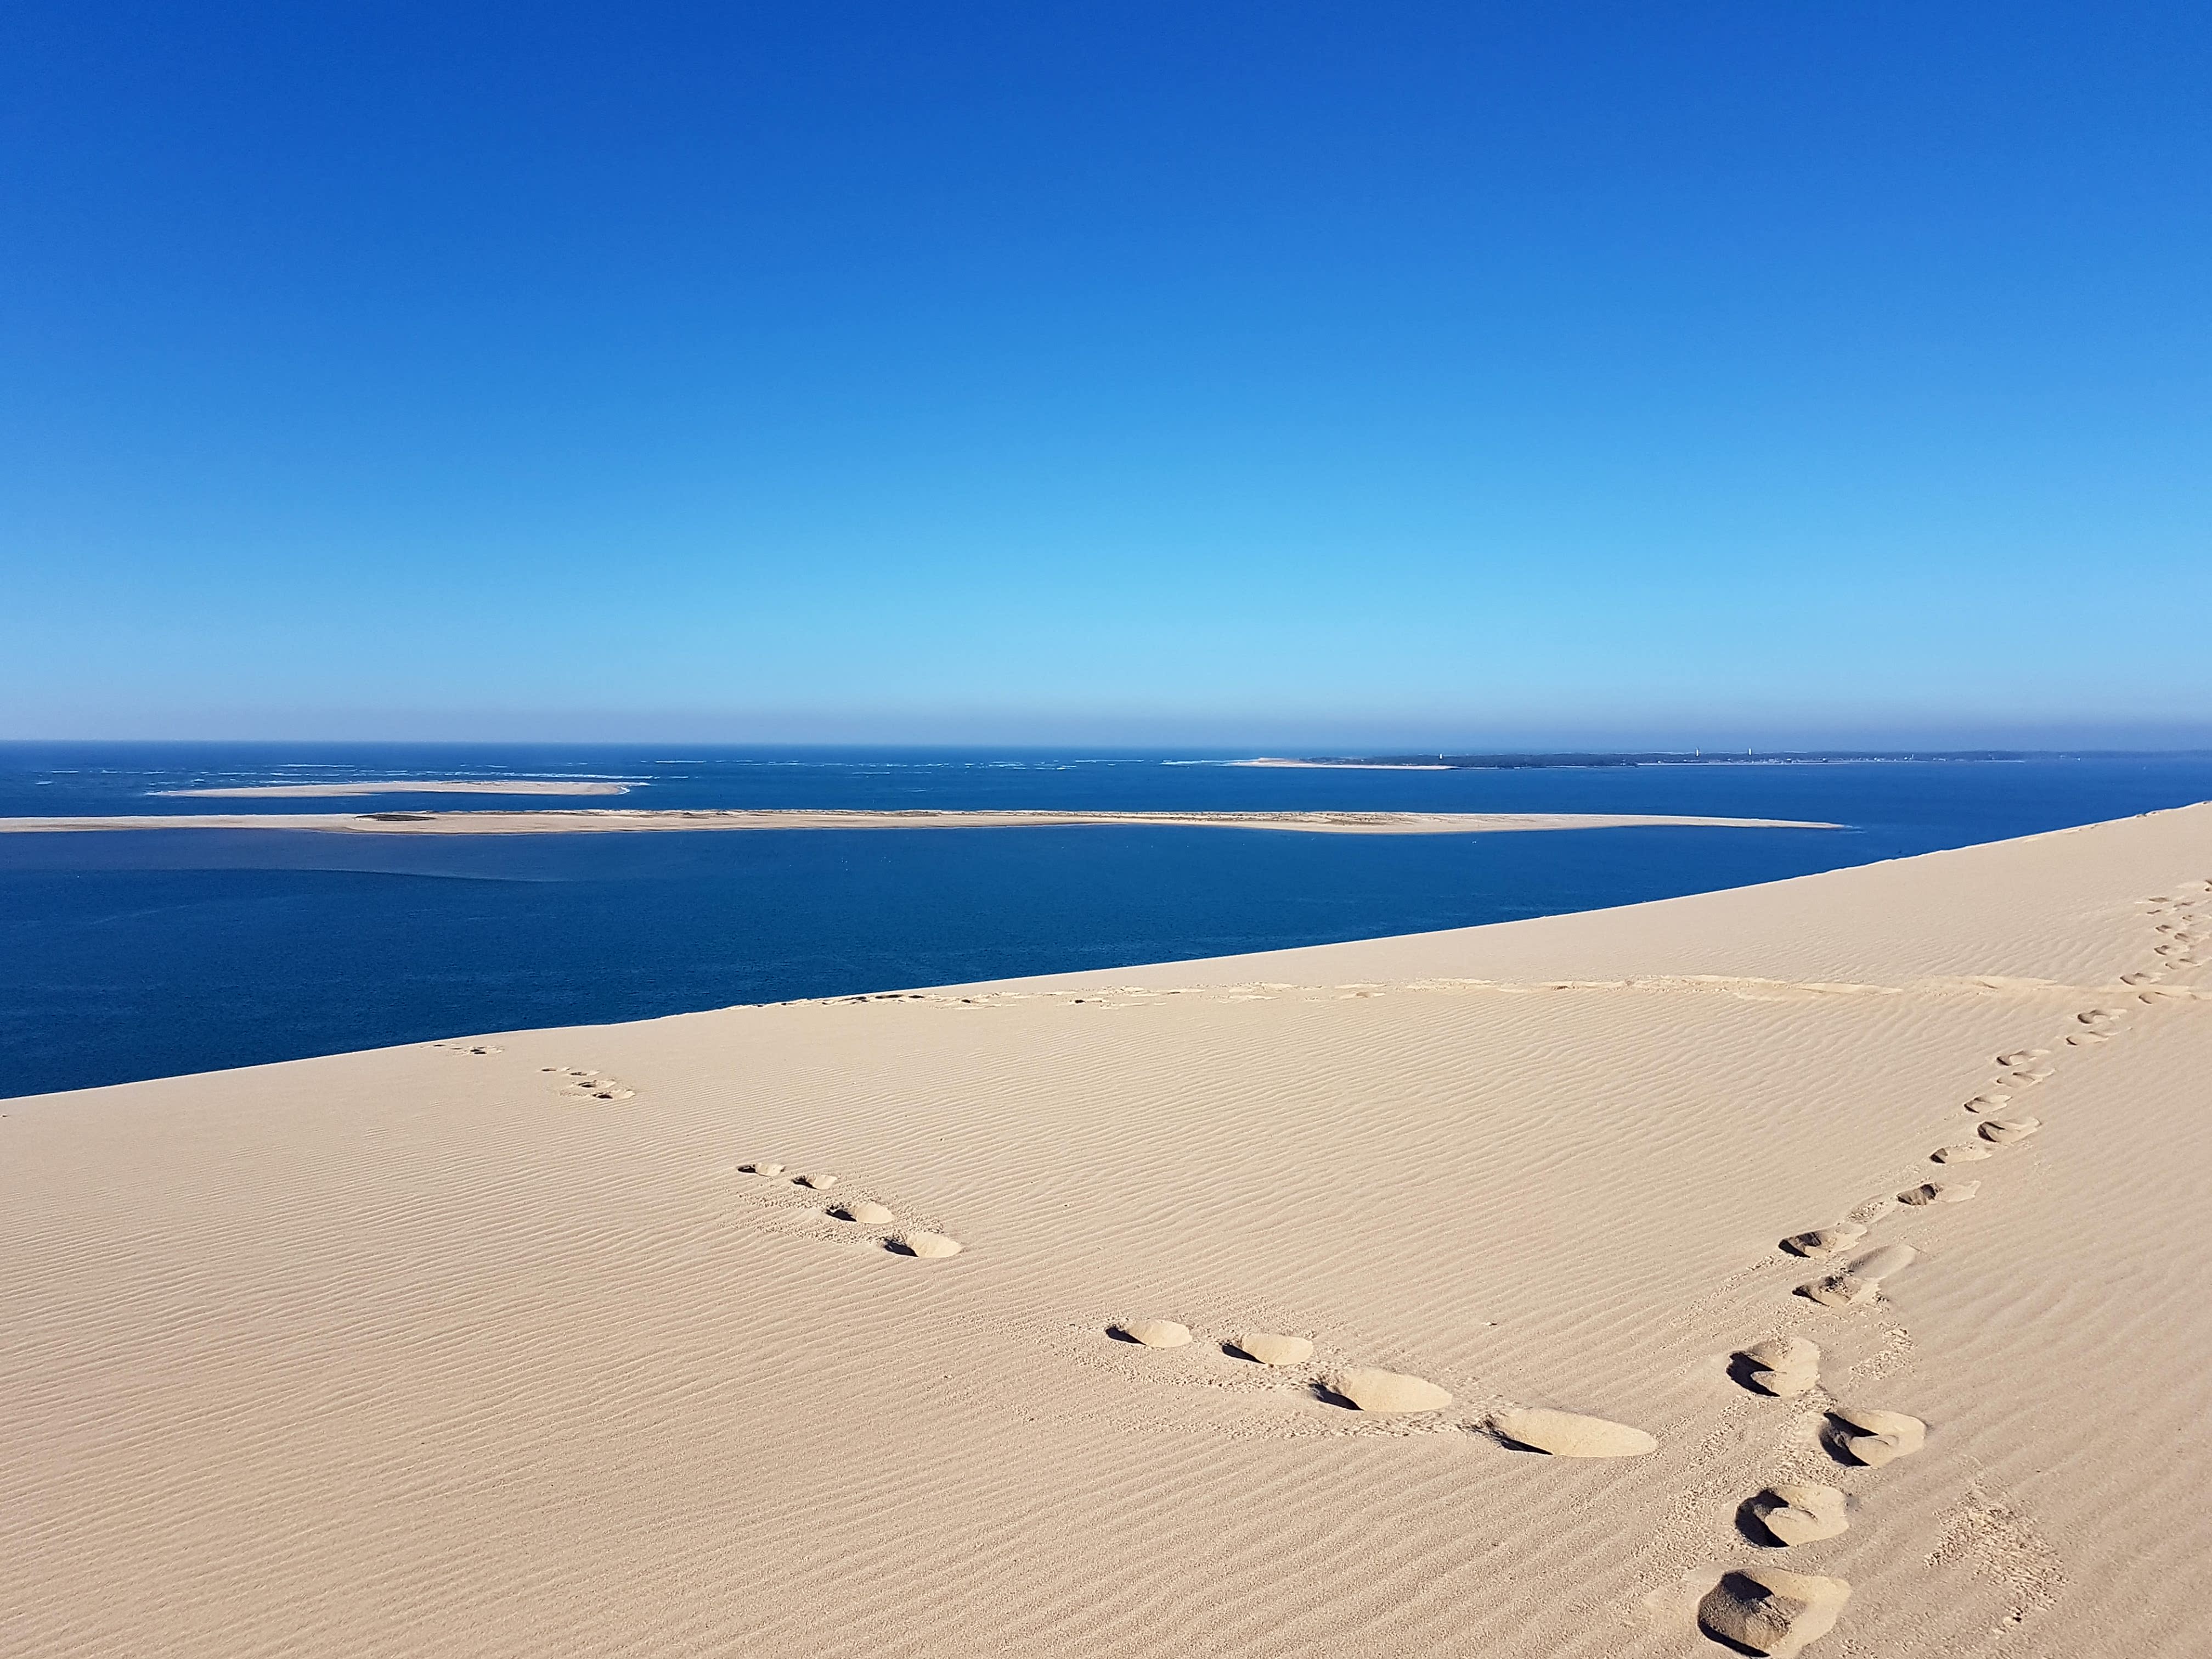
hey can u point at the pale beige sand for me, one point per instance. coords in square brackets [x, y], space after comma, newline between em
[600, 820]
[406, 786]
[434, 1351]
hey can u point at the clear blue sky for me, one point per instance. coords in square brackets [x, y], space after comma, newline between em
[1788, 373]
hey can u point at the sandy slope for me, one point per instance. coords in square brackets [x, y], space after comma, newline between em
[436, 1351]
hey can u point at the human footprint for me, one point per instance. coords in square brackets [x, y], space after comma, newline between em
[1153, 1332]
[1860, 1282]
[1784, 1367]
[1370, 1390]
[1767, 1610]
[1941, 1192]
[1800, 1514]
[1569, 1434]
[1858, 1434]
[1826, 1241]
[1269, 1349]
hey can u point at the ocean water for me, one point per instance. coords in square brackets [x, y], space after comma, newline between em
[143, 954]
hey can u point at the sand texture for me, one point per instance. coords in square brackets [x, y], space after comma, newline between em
[603, 820]
[535, 1343]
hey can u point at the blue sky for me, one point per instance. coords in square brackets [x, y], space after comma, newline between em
[1697, 374]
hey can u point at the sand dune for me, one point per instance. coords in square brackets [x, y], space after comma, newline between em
[603, 820]
[537, 1343]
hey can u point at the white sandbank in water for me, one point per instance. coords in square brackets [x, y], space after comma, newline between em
[510, 1345]
[405, 786]
[603, 820]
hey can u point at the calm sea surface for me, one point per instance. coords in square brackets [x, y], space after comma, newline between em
[142, 954]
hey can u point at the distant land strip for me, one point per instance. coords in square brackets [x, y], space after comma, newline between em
[601, 820]
[405, 787]
[1662, 758]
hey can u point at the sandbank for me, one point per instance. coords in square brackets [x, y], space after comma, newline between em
[405, 786]
[535, 1342]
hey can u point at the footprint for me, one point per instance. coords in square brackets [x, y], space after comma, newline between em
[1988, 1101]
[1824, 1241]
[1884, 1259]
[2006, 1130]
[1791, 1513]
[1763, 1610]
[930, 1247]
[1569, 1434]
[1965, 1152]
[1151, 1333]
[861, 1210]
[2033, 1075]
[1370, 1390]
[2023, 1057]
[1857, 1434]
[1784, 1367]
[762, 1168]
[1269, 1349]
[1941, 1192]
[820, 1183]
[1860, 1283]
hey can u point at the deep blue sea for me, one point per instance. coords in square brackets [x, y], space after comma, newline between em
[146, 953]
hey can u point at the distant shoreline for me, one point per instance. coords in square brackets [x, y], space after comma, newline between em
[1569, 759]
[403, 786]
[605, 820]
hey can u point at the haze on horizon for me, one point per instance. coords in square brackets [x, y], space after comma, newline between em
[1300, 376]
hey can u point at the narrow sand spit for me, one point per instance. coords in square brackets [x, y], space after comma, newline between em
[515, 1344]
[407, 787]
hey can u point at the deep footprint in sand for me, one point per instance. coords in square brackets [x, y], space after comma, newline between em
[929, 1247]
[1793, 1513]
[1940, 1192]
[1822, 1242]
[1989, 1100]
[861, 1210]
[1267, 1348]
[1783, 1366]
[1859, 1283]
[1369, 1388]
[761, 1169]
[1569, 1434]
[2004, 1131]
[1871, 1438]
[1760, 1609]
[1152, 1333]
[2023, 1057]
[819, 1183]
[1964, 1153]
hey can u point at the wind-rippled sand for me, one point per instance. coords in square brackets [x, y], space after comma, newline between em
[975, 1320]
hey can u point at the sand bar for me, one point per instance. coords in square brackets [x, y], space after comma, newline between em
[531, 1343]
[603, 820]
[405, 786]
